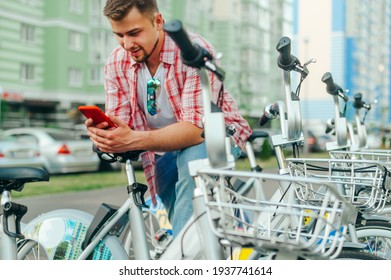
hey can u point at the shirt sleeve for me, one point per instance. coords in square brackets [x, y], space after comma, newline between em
[116, 87]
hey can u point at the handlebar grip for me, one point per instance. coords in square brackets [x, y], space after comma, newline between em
[263, 120]
[190, 53]
[331, 87]
[358, 101]
[285, 59]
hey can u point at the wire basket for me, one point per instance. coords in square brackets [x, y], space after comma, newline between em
[271, 218]
[365, 184]
[383, 156]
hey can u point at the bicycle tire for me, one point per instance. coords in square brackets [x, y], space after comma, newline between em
[376, 235]
[353, 254]
[60, 234]
[29, 249]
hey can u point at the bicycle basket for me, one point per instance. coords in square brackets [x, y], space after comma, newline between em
[271, 220]
[365, 184]
[383, 156]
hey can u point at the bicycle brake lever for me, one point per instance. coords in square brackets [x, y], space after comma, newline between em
[138, 191]
[312, 60]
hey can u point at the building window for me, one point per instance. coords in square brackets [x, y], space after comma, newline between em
[75, 41]
[27, 72]
[27, 33]
[96, 75]
[75, 77]
[101, 45]
[76, 7]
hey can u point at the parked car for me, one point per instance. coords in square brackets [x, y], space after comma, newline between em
[61, 150]
[312, 142]
[374, 141]
[15, 154]
[324, 139]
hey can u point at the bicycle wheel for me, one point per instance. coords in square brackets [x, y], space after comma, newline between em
[59, 235]
[376, 235]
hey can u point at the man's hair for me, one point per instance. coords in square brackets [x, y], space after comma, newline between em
[117, 9]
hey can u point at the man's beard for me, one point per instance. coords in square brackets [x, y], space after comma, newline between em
[146, 55]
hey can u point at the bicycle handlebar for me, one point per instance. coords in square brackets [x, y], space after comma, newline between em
[332, 88]
[358, 103]
[263, 120]
[270, 112]
[192, 55]
[286, 60]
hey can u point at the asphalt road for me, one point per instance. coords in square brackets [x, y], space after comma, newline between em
[87, 201]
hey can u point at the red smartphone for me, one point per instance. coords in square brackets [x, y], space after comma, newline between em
[95, 113]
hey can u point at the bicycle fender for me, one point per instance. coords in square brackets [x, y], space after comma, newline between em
[376, 218]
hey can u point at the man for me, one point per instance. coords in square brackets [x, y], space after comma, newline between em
[156, 103]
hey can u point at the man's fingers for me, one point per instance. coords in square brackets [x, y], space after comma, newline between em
[117, 120]
[89, 122]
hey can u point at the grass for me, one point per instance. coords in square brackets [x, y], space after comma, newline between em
[101, 180]
[77, 182]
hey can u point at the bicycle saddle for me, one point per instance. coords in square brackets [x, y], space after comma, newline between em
[120, 157]
[13, 178]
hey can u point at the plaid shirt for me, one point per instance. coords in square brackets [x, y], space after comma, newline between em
[184, 91]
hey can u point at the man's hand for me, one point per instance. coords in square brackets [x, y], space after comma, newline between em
[123, 139]
[112, 140]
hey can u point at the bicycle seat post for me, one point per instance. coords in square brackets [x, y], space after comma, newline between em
[136, 217]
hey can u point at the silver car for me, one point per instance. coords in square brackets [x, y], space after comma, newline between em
[15, 154]
[62, 151]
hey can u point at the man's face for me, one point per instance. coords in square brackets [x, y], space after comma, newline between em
[137, 34]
